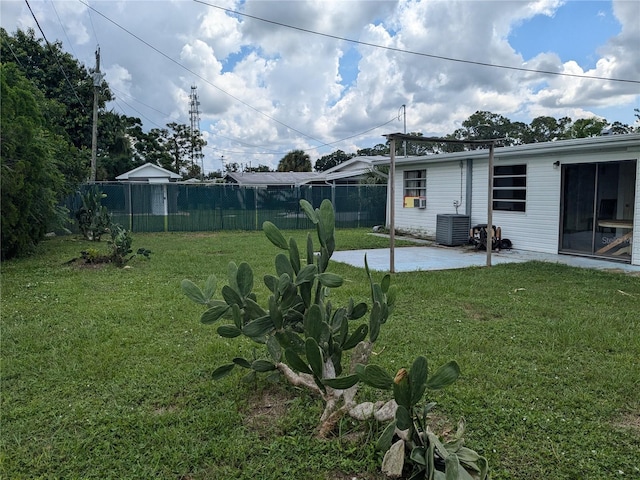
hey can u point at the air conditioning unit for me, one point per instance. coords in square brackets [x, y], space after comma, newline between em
[422, 202]
[452, 229]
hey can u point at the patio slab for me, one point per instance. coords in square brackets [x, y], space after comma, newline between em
[436, 257]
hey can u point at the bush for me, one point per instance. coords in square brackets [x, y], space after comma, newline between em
[93, 218]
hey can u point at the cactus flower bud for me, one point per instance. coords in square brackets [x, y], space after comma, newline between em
[402, 373]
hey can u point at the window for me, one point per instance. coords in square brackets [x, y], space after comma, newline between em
[415, 188]
[510, 188]
[415, 183]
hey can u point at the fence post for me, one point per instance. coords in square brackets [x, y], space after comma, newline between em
[255, 203]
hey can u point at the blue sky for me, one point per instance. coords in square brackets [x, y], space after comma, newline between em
[575, 32]
[265, 89]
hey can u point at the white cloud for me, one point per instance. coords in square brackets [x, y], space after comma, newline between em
[266, 88]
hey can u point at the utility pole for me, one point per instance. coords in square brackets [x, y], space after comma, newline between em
[404, 144]
[97, 82]
[194, 115]
[404, 113]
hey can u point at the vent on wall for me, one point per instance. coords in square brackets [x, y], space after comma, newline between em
[452, 229]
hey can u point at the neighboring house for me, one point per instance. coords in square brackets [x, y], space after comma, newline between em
[347, 173]
[158, 200]
[579, 197]
[149, 173]
[270, 179]
[352, 171]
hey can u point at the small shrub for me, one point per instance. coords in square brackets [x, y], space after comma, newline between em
[93, 218]
[119, 248]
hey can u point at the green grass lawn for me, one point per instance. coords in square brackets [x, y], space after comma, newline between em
[106, 372]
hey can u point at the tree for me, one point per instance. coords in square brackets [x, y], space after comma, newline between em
[32, 183]
[116, 150]
[171, 148]
[379, 149]
[231, 167]
[417, 148]
[59, 77]
[332, 160]
[587, 127]
[547, 129]
[295, 161]
[486, 125]
[619, 128]
[259, 168]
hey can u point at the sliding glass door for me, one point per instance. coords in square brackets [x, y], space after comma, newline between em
[597, 209]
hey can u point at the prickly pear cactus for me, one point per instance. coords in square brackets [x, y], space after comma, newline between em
[417, 451]
[305, 337]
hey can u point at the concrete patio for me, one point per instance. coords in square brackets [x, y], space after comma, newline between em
[436, 257]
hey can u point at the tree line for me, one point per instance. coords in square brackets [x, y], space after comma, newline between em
[482, 125]
[45, 140]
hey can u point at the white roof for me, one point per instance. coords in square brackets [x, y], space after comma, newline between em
[149, 172]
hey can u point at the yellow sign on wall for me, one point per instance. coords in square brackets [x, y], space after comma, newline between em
[415, 202]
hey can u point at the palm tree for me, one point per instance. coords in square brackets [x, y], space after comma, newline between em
[295, 161]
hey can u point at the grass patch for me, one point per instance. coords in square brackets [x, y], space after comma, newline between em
[106, 371]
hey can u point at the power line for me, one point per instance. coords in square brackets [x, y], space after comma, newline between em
[63, 29]
[55, 56]
[322, 144]
[421, 54]
[14, 55]
[200, 76]
[92, 27]
[138, 101]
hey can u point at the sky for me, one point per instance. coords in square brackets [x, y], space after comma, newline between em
[321, 76]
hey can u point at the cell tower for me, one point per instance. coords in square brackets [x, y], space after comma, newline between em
[194, 115]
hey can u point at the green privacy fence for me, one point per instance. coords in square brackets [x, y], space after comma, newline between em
[209, 207]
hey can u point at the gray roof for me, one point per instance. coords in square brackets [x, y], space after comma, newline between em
[273, 178]
[353, 168]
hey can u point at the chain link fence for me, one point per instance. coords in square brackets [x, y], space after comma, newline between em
[172, 207]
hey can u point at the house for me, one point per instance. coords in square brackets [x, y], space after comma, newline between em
[155, 198]
[353, 171]
[577, 197]
[346, 173]
[271, 179]
[149, 173]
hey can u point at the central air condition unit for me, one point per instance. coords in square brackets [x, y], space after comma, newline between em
[422, 202]
[452, 229]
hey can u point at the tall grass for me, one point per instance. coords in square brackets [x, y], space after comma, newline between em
[106, 371]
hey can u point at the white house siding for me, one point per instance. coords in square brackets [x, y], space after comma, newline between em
[443, 188]
[635, 246]
[536, 229]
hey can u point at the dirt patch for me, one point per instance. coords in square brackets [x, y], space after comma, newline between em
[82, 264]
[476, 313]
[164, 410]
[629, 420]
[264, 410]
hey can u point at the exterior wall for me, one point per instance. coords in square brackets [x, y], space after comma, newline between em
[538, 228]
[635, 248]
[443, 188]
